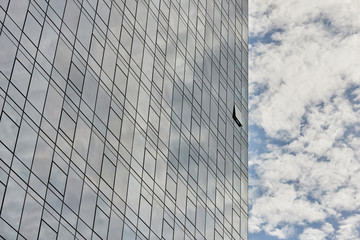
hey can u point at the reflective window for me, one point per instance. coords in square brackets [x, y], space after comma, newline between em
[109, 60]
[128, 233]
[200, 218]
[127, 133]
[53, 105]
[20, 77]
[145, 211]
[48, 41]
[67, 125]
[118, 115]
[32, 29]
[132, 90]
[151, 27]
[31, 217]
[102, 105]
[71, 15]
[37, 90]
[82, 136]
[139, 146]
[8, 131]
[116, 226]
[101, 224]
[115, 20]
[17, 11]
[76, 77]
[62, 58]
[90, 89]
[84, 30]
[108, 171]
[58, 178]
[88, 203]
[13, 204]
[121, 180]
[96, 50]
[42, 160]
[160, 173]
[96, 149]
[46, 232]
[133, 196]
[58, 7]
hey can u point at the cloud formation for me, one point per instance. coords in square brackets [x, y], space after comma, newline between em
[304, 113]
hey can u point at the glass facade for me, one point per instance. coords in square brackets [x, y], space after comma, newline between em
[117, 119]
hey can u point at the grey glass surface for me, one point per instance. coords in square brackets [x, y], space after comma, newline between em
[116, 119]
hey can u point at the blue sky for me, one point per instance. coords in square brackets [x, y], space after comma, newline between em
[304, 146]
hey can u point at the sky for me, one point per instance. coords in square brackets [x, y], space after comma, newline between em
[304, 144]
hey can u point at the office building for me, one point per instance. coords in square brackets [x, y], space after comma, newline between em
[123, 119]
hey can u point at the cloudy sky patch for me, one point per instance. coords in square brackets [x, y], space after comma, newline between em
[304, 119]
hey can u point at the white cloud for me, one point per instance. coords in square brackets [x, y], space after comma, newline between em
[318, 234]
[304, 63]
[349, 228]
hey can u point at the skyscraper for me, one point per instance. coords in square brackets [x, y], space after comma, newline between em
[123, 119]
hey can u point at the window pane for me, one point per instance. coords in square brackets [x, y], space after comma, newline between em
[13, 203]
[82, 136]
[116, 227]
[101, 223]
[42, 160]
[88, 204]
[62, 58]
[58, 178]
[37, 91]
[132, 90]
[46, 233]
[8, 131]
[71, 16]
[31, 217]
[20, 77]
[133, 194]
[121, 181]
[127, 133]
[95, 152]
[90, 89]
[32, 29]
[17, 11]
[103, 105]
[139, 147]
[48, 42]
